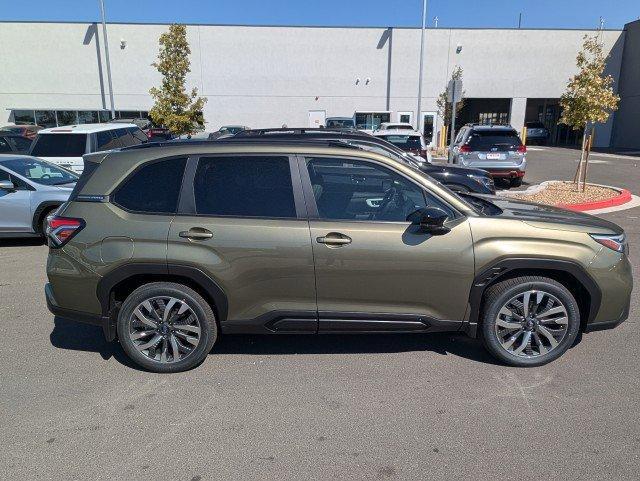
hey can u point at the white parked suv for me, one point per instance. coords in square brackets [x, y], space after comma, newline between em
[410, 141]
[66, 145]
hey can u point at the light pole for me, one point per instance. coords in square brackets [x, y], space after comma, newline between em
[424, 21]
[106, 55]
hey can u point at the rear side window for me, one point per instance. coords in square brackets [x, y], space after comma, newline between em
[106, 141]
[244, 187]
[154, 188]
[60, 145]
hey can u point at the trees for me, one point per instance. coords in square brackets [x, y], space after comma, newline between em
[175, 108]
[588, 99]
[444, 106]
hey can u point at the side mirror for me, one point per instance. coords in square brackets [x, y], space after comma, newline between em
[7, 185]
[430, 220]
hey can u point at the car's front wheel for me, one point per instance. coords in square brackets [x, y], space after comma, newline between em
[166, 327]
[529, 321]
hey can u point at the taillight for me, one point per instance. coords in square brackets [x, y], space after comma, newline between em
[522, 149]
[464, 149]
[149, 134]
[61, 229]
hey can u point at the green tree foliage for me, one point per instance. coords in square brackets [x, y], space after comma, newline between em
[175, 108]
[588, 99]
[444, 106]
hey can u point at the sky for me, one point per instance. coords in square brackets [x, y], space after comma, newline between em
[382, 13]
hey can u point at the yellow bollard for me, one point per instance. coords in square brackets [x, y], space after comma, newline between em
[523, 135]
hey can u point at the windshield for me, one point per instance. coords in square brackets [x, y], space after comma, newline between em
[60, 145]
[40, 172]
[405, 142]
[340, 123]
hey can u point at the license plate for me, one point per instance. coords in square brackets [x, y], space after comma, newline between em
[494, 156]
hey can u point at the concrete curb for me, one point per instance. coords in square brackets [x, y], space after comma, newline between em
[622, 198]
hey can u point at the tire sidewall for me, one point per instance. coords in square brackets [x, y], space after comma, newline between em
[491, 313]
[208, 329]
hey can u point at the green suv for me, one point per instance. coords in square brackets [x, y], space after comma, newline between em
[169, 246]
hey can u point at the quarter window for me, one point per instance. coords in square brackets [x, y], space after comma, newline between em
[362, 191]
[155, 188]
[244, 187]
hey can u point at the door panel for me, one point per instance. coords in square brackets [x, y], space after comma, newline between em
[262, 265]
[247, 230]
[393, 268]
[15, 208]
[369, 260]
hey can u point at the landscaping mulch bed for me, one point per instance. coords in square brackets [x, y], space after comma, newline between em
[565, 193]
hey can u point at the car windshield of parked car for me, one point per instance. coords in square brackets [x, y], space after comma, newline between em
[60, 145]
[340, 123]
[487, 140]
[405, 142]
[40, 172]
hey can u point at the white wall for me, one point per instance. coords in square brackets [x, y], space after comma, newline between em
[267, 76]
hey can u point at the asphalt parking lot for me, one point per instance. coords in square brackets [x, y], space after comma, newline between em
[399, 407]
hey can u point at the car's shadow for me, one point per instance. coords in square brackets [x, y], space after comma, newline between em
[22, 242]
[84, 337]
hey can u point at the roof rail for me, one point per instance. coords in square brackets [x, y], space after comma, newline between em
[247, 141]
[295, 131]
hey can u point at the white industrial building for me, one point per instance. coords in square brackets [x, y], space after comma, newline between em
[264, 76]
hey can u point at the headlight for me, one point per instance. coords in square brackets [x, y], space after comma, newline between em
[484, 180]
[617, 243]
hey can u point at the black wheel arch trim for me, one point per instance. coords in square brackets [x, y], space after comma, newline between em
[502, 267]
[43, 207]
[124, 272]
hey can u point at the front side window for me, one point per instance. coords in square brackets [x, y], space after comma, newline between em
[138, 135]
[154, 188]
[362, 191]
[244, 187]
[40, 172]
[60, 145]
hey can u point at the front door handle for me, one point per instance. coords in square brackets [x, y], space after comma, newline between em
[196, 233]
[334, 239]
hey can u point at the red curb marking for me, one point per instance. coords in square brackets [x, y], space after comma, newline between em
[622, 198]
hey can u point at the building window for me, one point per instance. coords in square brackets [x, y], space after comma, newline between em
[371, 120]
[46, 118]
[88, 117]
[67, 117]
[21, 117]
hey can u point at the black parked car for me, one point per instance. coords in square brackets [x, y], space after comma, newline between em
[457, 178]
[13, 144]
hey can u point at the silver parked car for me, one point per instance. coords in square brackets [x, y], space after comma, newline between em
[30, 189]
[494, 148]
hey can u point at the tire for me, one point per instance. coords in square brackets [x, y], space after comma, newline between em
[42, 222]
[554, 297]
[516, 182]
[197, 323]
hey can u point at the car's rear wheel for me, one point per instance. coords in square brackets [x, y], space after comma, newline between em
[516, 182]
[166, 327]
[529, 321]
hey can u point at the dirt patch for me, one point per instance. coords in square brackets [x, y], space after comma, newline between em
[566, 193]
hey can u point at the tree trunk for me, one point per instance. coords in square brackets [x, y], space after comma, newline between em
[580, 164]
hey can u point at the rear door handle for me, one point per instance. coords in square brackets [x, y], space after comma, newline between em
[334, 239]
[196, 233]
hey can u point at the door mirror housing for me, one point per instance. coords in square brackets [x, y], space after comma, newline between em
[430, 220]
[7, 185]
